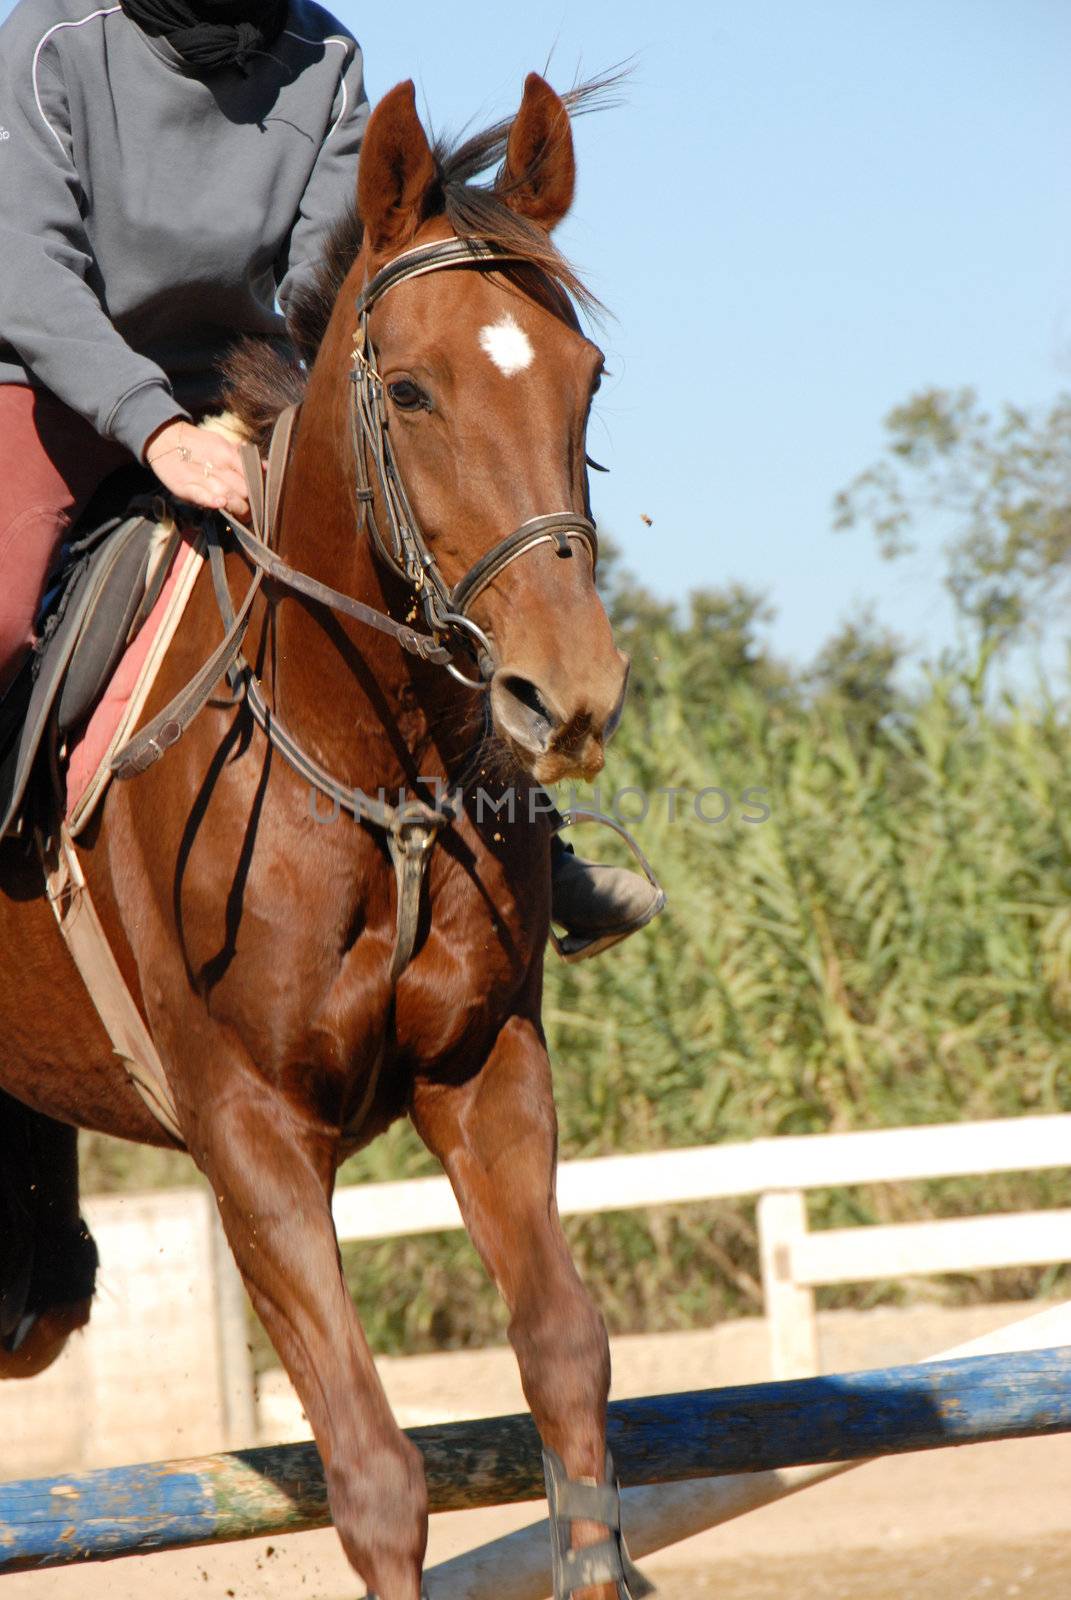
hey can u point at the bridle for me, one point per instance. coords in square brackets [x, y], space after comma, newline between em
[405, 550]
[412, 826]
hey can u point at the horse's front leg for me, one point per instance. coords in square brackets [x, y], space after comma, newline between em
[271, 1166]
[496, 1136]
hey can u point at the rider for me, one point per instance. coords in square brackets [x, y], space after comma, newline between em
[168, 169]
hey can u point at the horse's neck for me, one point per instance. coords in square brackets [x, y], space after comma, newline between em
[378, 715]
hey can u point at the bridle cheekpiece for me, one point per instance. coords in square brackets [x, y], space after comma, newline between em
[405, 550]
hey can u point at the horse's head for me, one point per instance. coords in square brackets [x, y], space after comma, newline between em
[485, 382]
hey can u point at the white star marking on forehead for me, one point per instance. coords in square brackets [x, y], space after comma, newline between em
[508, 345]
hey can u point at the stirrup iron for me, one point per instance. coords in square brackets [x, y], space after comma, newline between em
[571, 1500]
[579, 947]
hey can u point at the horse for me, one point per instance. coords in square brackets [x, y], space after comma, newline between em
[258, 934]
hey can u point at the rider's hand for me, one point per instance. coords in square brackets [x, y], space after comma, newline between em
[199, 466]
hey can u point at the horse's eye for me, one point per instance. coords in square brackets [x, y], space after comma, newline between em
[406, 395]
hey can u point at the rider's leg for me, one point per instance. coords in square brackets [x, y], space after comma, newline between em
[597, 905]
[51, 462]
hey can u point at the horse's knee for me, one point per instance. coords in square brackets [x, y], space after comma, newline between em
[379, 1506]
[40, 1339]
[562, 1352]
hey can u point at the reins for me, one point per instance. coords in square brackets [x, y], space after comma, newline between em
[412, 826]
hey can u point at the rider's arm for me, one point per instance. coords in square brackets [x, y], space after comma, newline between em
[51, 312]
[332, 186]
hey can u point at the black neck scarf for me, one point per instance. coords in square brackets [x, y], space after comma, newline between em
[210, 34]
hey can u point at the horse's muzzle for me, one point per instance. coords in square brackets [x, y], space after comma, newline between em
[550, 740]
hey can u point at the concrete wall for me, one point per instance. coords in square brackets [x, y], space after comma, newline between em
[146, 1377]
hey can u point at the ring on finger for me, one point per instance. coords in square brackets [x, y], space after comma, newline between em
[208, 469]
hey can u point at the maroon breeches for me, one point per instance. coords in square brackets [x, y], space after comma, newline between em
[51, 462]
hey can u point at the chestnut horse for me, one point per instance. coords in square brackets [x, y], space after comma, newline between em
[257, 939]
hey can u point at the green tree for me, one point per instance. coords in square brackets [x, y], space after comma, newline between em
[714, 638]
[855, 672]
[998, 483]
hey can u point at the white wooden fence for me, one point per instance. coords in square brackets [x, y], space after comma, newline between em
[170, 1301]
[780, 1172]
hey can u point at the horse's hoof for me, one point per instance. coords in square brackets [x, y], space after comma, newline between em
[39, 1339]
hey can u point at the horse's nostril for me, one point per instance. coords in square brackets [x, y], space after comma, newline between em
[521, 711]
[528, 695]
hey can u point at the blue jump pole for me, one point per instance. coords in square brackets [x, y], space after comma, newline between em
[659, 1439]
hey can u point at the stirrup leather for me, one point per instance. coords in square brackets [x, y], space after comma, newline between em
[570, 1500]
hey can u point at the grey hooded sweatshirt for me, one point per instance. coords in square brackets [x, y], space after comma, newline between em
[149, 216]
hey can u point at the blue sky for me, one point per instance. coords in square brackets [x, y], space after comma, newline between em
[802, 214]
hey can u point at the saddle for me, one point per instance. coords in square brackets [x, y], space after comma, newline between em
[110, 575]
[106, 623]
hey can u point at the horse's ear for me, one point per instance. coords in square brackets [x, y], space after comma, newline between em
[397, 171]
[539, 174]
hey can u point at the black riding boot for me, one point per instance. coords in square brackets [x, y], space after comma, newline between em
[596, 905]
